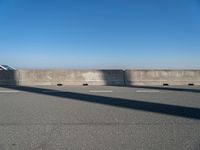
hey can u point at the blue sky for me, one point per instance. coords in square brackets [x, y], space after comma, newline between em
[100, 34]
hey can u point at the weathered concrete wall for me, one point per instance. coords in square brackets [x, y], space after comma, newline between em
[71, 77]
[160, 77]
[100, 77]
[9, 77]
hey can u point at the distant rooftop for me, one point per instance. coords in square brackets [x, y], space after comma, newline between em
[6, 67]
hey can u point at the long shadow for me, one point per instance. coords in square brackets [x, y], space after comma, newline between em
[167, 88]
[180, 111]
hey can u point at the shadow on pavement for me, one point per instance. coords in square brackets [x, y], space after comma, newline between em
[174, 110]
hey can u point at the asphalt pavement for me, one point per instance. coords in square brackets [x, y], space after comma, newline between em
[99, 118]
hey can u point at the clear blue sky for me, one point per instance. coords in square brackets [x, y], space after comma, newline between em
[100, 34]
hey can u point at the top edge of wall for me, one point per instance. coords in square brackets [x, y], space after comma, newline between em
[70, 69]
[162, 70]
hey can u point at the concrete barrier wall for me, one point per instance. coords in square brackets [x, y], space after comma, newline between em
[160, 77]
[71, 77]
[100, 77]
